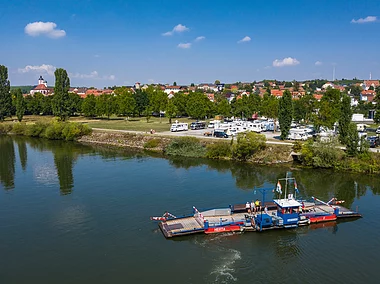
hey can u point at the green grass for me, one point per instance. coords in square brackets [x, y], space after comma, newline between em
[136, 123]
[117, 123]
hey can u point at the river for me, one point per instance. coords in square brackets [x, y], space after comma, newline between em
[71, 213]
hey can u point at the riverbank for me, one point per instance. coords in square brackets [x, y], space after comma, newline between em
[270, 154]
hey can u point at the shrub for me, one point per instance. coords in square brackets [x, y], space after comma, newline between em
[321, 154]
[5, 128]
[297, 146]
[248, 144]
[72, 131]
[19, 128]
[186, 146]
[218, 150]
[54, 130]
[36, 130]
[153, 143]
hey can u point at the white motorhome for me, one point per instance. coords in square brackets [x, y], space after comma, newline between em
[179, 127]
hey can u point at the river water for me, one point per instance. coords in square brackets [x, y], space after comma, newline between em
[77, 214]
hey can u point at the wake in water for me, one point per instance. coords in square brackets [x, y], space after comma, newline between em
[224, 270]
[224, 259]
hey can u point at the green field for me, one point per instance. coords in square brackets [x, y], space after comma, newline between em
[117, 123]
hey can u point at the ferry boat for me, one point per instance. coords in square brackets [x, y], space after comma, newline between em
[281, 213]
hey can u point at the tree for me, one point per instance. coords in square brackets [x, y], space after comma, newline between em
[345, 120]
[217, 82]
[5, 95]
[20, 104]
[105, 105]
[198, 105]
[224, 108]
[180, 101]
[175, 83]
[89, 106]
[142, 101]
[352, 140]
[60, 103]
[171, 110]
[329, 109]
[125, 102]
[285, 114]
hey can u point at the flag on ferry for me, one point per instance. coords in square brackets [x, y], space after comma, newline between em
[296, 187]
[278, 189]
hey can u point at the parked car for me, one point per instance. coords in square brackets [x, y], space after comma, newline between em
[378, 130]
[373, 141]
[220, 134]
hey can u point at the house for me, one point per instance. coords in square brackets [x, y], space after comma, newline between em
[367, 95]
[277, 93]
[211, 97]
[371, 83]
[328, 84]
[79, 91]
[42, 88]
[172, 89]
[318, 97]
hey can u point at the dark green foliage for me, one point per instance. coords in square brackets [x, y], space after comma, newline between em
[36, 130]
[198, 105]
[74, 104]
[105, 105]
[304, 108]
[5, 95]
[171, 110]
[321, 154]
[141, 100]
[153, 143]
[329, 109]
[345, 120]
[186, 146]
[285, 114]
[20, 104]
[219, 150]
[61, 99]
[248, 144]
[89, 106]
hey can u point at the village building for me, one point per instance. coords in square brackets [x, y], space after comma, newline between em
[42, 88]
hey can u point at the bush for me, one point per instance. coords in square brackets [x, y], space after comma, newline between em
[19, 128]
[153, 143]
[54, 130]
[36, 130]
[247, 145]
[5, 128]
[297, 146]
[321, 154]
[219, 150]
[186, 146]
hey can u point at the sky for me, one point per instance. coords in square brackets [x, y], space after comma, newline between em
[105, 43]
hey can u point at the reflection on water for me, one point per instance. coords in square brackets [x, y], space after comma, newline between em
[323, 184]
[7, 162]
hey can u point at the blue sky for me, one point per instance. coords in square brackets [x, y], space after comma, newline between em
[105, 43]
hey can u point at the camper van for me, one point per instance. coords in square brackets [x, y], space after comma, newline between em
[198, 125]
[179, 127]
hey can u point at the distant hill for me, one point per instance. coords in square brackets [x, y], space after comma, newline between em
[25, 89]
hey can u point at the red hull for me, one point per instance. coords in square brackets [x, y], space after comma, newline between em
[319, 219]
[229, 228]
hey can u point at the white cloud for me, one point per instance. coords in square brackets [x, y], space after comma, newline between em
[288, 61]
[96, 55]
[245, 39]
[368, 19]
[184, 45]
[177, 29]
[200, 38]
[92, 75]
[42, 69]
[318, 63]
[44, 28]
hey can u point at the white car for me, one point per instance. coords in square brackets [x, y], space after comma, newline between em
[378, 130]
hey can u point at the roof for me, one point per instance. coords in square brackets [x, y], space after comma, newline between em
[285, 203]
[41, 87]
